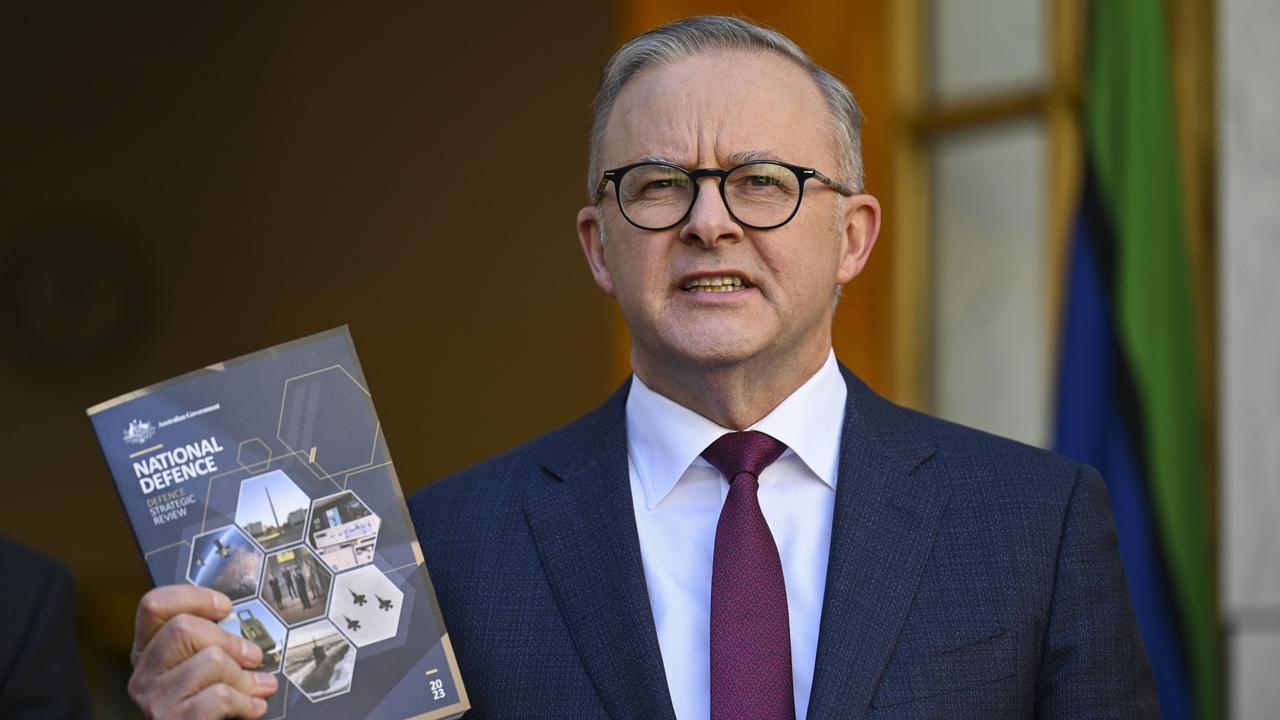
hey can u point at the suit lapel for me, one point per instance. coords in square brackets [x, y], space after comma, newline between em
[584, 527]
[881, 533]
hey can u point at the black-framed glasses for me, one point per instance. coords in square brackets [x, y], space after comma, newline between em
[764, 194]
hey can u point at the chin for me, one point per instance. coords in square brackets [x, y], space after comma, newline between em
[712, 352]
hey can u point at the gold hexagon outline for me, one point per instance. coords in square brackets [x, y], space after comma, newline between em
[346, 479]
[240, 449]
[149, 553]
[310, 457]
[399, 491]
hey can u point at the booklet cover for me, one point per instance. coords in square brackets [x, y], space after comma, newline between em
[267, 478]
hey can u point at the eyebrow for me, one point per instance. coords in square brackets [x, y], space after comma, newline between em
[738, 158]
[659, 158]
[748, 156]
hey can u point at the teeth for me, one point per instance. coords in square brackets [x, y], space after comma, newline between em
[717, 283]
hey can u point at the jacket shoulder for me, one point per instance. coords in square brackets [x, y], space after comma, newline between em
[966, 460]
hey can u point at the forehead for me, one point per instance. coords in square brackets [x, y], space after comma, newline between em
[714, 108]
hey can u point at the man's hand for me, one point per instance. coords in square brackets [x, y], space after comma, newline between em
[185, 666]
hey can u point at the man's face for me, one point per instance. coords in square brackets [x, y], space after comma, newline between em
[716, 111]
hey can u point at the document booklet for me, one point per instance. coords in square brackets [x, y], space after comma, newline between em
[267, 478]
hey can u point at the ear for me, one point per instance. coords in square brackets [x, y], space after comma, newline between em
[861, 226]
[589, 219]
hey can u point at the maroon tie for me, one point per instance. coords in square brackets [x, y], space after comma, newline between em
[750, 631]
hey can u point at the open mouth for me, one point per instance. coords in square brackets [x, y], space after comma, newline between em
[716, 283]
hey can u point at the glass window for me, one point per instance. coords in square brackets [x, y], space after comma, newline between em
[989, 362]
[985, 47]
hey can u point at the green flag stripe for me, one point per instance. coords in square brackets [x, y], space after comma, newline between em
[1129, 129]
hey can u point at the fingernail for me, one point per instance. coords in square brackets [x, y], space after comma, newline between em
[264, 680]
[259, 705]
[221, 603]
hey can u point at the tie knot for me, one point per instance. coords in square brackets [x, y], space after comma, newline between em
[743, 452]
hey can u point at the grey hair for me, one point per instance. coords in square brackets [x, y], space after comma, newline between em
[686, 38]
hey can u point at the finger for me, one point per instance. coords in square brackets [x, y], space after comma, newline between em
[213, 666]
[159, 692]
[184, 636]
[221, 701]
[163, 603]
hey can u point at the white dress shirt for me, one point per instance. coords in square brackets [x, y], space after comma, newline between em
[677, 498]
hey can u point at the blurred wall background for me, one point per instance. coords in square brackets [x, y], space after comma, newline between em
[1249, 258]
[182, 185]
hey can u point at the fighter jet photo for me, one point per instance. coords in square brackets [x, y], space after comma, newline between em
[352, 625]
[223, 550]
[377, 622]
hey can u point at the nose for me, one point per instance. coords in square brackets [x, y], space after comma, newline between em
[709, 220]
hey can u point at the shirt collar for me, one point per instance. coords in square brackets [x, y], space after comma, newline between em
[664, 438]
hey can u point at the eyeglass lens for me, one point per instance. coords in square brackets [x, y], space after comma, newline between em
[758, 194]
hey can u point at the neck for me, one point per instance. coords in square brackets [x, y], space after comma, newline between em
[736, 395]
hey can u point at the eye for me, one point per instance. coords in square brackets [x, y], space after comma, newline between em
[662, 184]
[761, 180]
[667, 181]
[655, 184]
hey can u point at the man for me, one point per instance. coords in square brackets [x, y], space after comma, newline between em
[275, 590]
[843, 558]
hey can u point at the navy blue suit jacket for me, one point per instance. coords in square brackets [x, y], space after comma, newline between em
[969, 577]
[40, 675]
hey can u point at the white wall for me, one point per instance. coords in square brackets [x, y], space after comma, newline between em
[1249, 282]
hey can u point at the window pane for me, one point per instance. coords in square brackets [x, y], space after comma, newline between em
[980, 47]
[989, 360]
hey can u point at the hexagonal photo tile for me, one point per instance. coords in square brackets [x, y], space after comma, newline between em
[366, 605]
[255, 623]
[319, 660]
[226, 560]
[272, 509]
[343, 530]
[296, 585]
